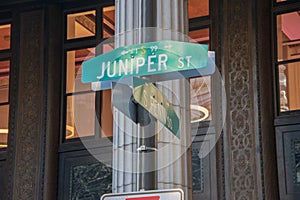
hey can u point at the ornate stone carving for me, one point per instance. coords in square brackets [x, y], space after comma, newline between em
[240, 132]
[28, 132]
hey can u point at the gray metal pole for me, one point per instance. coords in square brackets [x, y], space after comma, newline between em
[148, 182]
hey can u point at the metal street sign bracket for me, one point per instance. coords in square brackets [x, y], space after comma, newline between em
[144, 148]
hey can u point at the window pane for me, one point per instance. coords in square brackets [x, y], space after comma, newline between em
[74, 69]
[106, 114]
[5, 36]
[81, 25]
[201, 36]
[4, 81]
[288, 36]
[200, 99]
[200, 86]
[286, 0]
[198, 8]
[4, 111]
[289, 82]
[108, 21]
[80, 115]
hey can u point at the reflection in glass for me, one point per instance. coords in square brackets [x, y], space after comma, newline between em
[4, 81]
[4, 109]
[5, 36]
[288, 36]
[198, 8]
[289, 85]
[200, 86]
[296, 154]
[108, 21]
[201, 36]
[74, 69]
[106, 114]
[197, 169]
[200, 99]
[80, 115]
[81, 24]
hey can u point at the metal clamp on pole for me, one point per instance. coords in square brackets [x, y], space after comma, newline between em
[144, 148]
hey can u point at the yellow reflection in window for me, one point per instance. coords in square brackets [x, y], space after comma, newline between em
[200, 36]
[198, 8]
[4, 110]
[5, 36]
[289, 90]
[4, 81]
[80, 115]
[108, 21]
[75, 59]
[80, 25]
[200, 99]
[288, 36]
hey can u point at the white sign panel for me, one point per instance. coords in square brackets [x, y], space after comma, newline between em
[172, 194]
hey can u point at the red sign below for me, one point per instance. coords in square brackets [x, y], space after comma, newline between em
[170, 194]
[145, 198]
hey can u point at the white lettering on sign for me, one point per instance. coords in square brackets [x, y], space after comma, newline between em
[162, 59]
[135, 65]
[123, 67]
[139, 64]
[151, 63]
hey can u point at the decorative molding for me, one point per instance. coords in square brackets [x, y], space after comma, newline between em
[28, 132]
[240, 123]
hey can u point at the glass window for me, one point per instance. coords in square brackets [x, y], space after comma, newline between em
[75, 59]
[4, 81]
[4, 101]
[83, 25]
[200, 99]
[198, 8]
[108, 21]
[80, 115]
[288, 36]
[200, 86]
[80, 107]
[287, 0]
[80, 25]
[200, 36]
[4, 36]
[288, 60]
[4, 110]
[289, 86]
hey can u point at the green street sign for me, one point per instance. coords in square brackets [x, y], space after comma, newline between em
[156, 103]
[145, 59]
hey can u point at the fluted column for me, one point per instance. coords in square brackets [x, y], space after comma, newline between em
[174, 156]
[173, 159]
[128, 18]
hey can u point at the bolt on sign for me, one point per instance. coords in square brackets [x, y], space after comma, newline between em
[145, 59]
[172, 194]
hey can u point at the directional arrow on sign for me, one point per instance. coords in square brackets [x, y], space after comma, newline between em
[153, 58]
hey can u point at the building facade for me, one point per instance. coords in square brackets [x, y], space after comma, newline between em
[59, 139]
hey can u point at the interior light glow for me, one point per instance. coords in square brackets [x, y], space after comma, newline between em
[70, 129]
[203, 112]
[3, 131]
